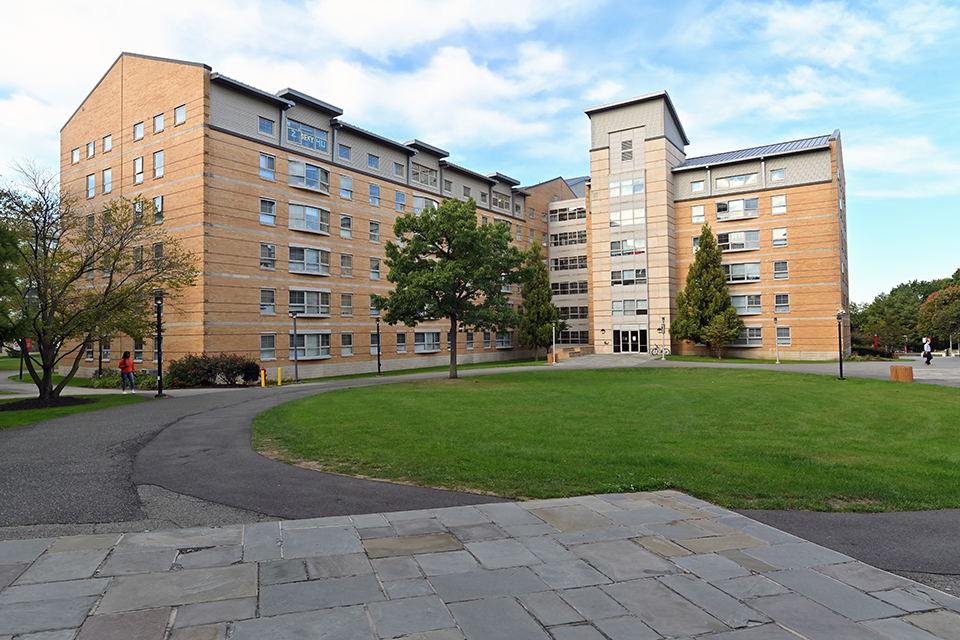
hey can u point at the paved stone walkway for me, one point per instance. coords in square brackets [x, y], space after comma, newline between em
[617, 567]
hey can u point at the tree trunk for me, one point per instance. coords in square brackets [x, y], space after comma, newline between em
[453, 347]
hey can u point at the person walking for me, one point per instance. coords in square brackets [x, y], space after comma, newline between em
[126, 372]
[927, 351]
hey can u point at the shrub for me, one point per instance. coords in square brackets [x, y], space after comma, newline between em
[868, 351]
[111, 380]
[206, 370]
[251, 372]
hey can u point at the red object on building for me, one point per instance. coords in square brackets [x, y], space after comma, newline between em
[876, 342]
[29, 345]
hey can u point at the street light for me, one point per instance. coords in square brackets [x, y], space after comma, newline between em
[158, 305]
[296, 359]
[663, 341]
[776, 339]
[378, 348]
[840, 315]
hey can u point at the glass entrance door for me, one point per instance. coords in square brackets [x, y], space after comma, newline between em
[626, 341]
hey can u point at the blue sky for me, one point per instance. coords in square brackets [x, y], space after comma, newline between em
[502, 85]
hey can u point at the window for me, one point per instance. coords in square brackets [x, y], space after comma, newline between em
[486, 339]
[138, 170]
[749, 337]
[448, 341]
[91, 150]
[568, 264]
[564, 214]
[401, 201]
[777, 175]
[401, 342]
[346, 187]
[346, 226]
[746, 304]
[158, 164]
[75, 157]
[624, 217]
[580, 313]
[346, 304]
[137, 259]
[421, 204]
[504, 340]
[268, 167]
[519, 233]
[107, 143]
[105, 349]
[568, 288]
[483, 220]
[737, 182]
[343, 151]
[696, 214]
[781, 270]
[424, 175]
[780, 236]
[310, 345]
[466, 192]
[268, 212]
[268, 256]
[138, 131]
[157, 256]
[783, 336]
[180, 115]
[778, 204]
[138, 350]
[483, 197]
[629, 247]
[469, 340]
[738, 240]
[304, 174]
[158, 123]
[268, 302]
[744, 272]
[308, 260]
[696, 185]
[738, 209]
[91, 185]
[265, 126]
[374, 268]
[627, 277]
[107, 180]
[374, 231]
[374, 343]
[137, 215]
[375, 195]
[346, 344]
[310, 303]
[501, 200]
[518, 209]
[781, 303]
[373, 161]
[158, 210]
[306, 136]
[398, 169]
[309, 218]
[346, 265]
[268, 346]
[448, 186]
[626, 187]
[628, 308]
[426, 341]
[573, 337]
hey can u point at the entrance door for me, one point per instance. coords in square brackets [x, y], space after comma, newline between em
[643, 341]
[626, 341]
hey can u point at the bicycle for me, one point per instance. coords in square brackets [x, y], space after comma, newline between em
[657, 350]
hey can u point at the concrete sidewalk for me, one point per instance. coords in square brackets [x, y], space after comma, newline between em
[617, 567]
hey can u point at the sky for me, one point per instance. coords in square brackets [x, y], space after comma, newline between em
[502, 85]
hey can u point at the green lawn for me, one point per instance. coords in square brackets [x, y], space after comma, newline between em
[403, 372]
[739, 438]
[10, 419]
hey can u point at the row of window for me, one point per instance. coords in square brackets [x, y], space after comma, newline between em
[753, 337]
[739, 209]
[627, 247]
[568, 264]
[574, 313]
[106, 143]
[106, 179]
[626, 217]
[750, 271]
[567, 238]
[313, 260]
[568, 288]
[565, 214]
[750, 304]
[745, 240]
[739, 182]
[306, 345]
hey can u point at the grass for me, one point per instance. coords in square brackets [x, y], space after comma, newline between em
[9, 419]
[739, 438]
[403, 372]
[75, 382]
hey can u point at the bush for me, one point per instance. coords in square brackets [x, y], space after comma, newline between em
[205, 370]
[251, 372]
[111, 380]
[868, 351]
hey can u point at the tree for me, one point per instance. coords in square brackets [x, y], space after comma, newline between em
[939, 316]
[448, 266]
[82, 273]
[704, 310]
[540, 316]
[9, 257]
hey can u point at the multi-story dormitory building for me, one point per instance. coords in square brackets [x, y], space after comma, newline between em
[288, 208]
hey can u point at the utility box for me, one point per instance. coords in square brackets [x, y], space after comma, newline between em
[900, 373]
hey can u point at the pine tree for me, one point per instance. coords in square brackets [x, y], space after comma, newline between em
[539, 313]
[704, 310]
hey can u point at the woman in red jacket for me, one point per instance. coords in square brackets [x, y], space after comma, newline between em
[126, 372]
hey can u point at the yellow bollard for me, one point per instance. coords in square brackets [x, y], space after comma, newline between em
[263, 377]
[279, 376]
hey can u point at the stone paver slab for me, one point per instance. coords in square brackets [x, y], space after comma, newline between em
[206, 632]
[593, 603]
[749, 587]
[320, 541]
[280, 571]
[747, 562]
[396, 568]
[626, 628]
[864, 577]
[478, 532]
[903, 600]
[646, 516]
[508, 513]
[20, 551]
[569, 575]
[496, 619]
[624, 560]
[572, 518]
[547, 549]
[54, 590]
[460, 516]
[663, 610]
[756, 529]
[834, 595]
[316, 523]
[500, 554]
[61, 634]
[797, 555]
[897, 629]
[206, 613]
[376, 532]
[181, 539]
[596, 535]
[124, 564]
[345, 623]
[261, 541]
[576, 632]
[811, 620]
[85, 543]
[418, 527]
[411, 545]
[149, 624]
[439, 564]
[713, 544]
[44, 615]
[549, 608]
[408, 588]
[683, 530]
[720, 605]
[711, 567]
[941, 598]
[487, 584]
[943, 624]
[10, 572]
[294, 597]
[369, 521]
[148, 591]
[351, 564]
[443, 634]
[68, 565]
[662, 547]
[411, 615]
[215, 557]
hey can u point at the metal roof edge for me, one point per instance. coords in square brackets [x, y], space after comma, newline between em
[419, 145]
[399, 146]
[253, 92]
[299, 97]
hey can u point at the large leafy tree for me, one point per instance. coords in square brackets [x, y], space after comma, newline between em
[83, 273]
[540, 316]
[704, 310]
[446, 266]
[9, 257]
[939, 316]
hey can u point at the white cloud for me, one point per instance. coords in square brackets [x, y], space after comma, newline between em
[900, 167]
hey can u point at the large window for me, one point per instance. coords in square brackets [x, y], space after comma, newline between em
[426, 341]
[737, 182]
[306, 136]
[309, 260]
[91, 185]
[420, 204]
[346, 226]
[783, 336]
[268, 256]
[781, 270]
[778, 205]
[625, 217]
[744, 272]
[107, 143]
[180, 114]
[309, 218]
[424, 175]
[346, 344]
[268, 212]
[628, 277]
[738, 209]
[346, 187]
[501, 201]
[346, 265]
[268, 346]
[573, 313]
[573, 337]
[749, 337]
[304, 174]
[696, 214]
[629, 307]
[781, 303]
[374, 268]
[107, 180]
[138, 170]
[158, 123]
[626, 187]
[568, 264]
[374, 231]
[158, 210]
[375, 195]
[268, 302]
[346, 304]
[268, 167]
[738, 240]
[374, 343]
[564, 214]
[401, 342]
[628, 247]
[138, 131]
[780, 236]
[504, 339]
[401, 201]
[567, 238]
[746, 304]
[158, 164]
[310, 345]
[568, 288]
[265, 126]
[310, 303]
[343, 152]
[778, 174]
[373, 161]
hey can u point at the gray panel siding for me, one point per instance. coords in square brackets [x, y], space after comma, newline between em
[361, 148]
[317, 121]
[648, 114]
[460, 181]
[670, 129]
[802, 168]
[682, 180]
[240, 114]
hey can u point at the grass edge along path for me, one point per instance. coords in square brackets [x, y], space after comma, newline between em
[735, 437]
[11, 419]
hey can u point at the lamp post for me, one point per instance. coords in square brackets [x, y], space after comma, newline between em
[904, 345]
[379, 340]
[840, 315]
[776, 339]
[296, 359]
[158, 304]
[663, 341]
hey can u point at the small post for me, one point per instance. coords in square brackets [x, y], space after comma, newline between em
[840, 314]
[296, 360]
[553, 355]
[158, 303]
[379, 341]
[279, 376]
[776, 340]
[263, 377]
[663, 341]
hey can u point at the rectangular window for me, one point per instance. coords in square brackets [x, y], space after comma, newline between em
[564, 214]
[749, 337]
[466, 192]
[401, 201]
[778, 205]
[268, 346]
[568, 264]
[138, 131]
[398, 169]
[91, 185]
[620, 308]
[401, 342]
[746, 304]
[138, 350]
[310, 303]
[346, 187]
[374, 343]
[268, 256]
[374, 231]
[268, 302]
[627, 277]
[777, 174]
[504, 340]
[346, 344]
[627, 187]
[696, 186]
[483, 197]
[374, 268]
[137, 259]
[138, 170]
[158, 123]
[469, 341]
[738, 209]
[448, 186]
[346, 226]
[158, 210]
[501, 200]
[158, 164]
[309, 218]
[580, 313]
[519, 233]
[737, 182]
[696, 214]
[373, 162]
[374, 308]
[344, 152]
[743, 272]
[91, 150]
[569, 288]
[268, 167]
[107, 180]
[424, 175]
[310, 345]
[783, 336]
[780, 236]
[346, 304]
[533, 236]
[625, 217]
[346, 265]
[180, 115]
[304, 174]
[781, 270]
[421, 204]
[75, 157]
[375, 195]
[426, 341]
[486, 339]
[781, 303]
[265, 126]
[307, 260]
[629, 247]
[157, 256]
[107, 143]
[268, 212]
[306, 136]
[738, 240]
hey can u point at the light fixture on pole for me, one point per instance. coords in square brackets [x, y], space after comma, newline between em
[776, 338]
[158, 304]
[379, 341]
[840, 315]
[663, 341]
[296, 359]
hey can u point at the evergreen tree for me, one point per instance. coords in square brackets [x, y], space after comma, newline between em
[540, 316]
[704, 310]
